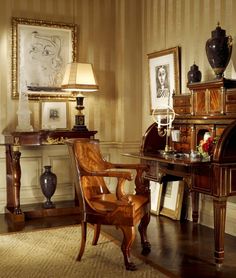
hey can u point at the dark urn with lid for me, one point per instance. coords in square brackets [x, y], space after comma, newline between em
[48, 182]
[194, 75]
[219, 50]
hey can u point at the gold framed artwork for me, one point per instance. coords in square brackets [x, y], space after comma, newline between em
[53, 115]
[164, 77]
[156, 192]
[172, 199]
[40, 51]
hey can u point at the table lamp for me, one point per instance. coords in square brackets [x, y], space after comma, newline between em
[78, 78]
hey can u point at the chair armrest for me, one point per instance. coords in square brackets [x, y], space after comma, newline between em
[122, 176]
[141, 184]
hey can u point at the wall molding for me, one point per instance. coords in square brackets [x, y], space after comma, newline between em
[121, 145]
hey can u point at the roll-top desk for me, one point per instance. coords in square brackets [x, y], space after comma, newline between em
[209, 106]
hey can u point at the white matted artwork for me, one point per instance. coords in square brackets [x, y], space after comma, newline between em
[172, 198]
[163, 77]
[40, 51]
[156, 191]
[54, 115]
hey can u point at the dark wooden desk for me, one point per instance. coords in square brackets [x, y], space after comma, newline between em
[208, 107]
[164, 168]
[216, 178]
[13, 142]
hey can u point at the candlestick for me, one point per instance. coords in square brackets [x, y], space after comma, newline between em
[170, 124]
[159, 121]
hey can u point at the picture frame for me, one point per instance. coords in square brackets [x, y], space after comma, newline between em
[53, 115]
[156, 193]
[40, 51]
[164, 77]
[172, 199]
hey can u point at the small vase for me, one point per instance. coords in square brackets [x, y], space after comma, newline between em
[218, 51]
[205, 156]
[48, 182]
[194, 75]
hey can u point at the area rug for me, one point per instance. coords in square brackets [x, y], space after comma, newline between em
[52, 253]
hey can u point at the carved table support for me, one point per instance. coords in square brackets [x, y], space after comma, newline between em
[16, 173]
[219, 228]
[13, 185]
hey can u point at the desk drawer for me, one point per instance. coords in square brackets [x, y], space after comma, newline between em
[202, 179]
[182, 104]
[153, 172]
[182, 100]
[182, 110]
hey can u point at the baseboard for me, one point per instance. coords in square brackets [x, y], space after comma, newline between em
[207, 217]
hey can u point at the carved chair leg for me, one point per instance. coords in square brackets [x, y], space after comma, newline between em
[97, 229]
[83, 239]
[142, 228]
[129, 236]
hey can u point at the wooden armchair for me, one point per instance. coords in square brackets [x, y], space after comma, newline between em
[99, 206]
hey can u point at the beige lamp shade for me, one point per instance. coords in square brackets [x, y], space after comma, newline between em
[79, 77]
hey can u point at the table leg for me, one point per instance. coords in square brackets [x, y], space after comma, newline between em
[195, 205]
[13, 179]
[219, 229]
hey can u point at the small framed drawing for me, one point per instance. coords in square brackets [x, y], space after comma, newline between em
[53, 115]
[164, 77]
[156, 192]
[40, 51]
[172, 198]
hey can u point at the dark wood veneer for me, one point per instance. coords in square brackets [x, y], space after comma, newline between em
[209, 107]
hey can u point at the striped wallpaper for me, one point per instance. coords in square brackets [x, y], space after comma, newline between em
[188, 24]
[116, 36]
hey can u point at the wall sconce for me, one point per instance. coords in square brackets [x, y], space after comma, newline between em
[78, 78]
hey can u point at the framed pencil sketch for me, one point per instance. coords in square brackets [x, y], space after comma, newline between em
[156, 192]
[164, 77]
[53, 115]
[172, 198]
[40, 51]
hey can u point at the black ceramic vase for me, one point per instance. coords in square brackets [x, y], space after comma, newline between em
[48, 182]
[218, 51]
[194, 75]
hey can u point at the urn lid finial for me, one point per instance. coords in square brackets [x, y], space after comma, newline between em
[218, 32]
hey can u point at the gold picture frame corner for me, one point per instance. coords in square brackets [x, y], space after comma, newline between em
[174, 214]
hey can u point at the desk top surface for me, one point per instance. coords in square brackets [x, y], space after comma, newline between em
[172, 158]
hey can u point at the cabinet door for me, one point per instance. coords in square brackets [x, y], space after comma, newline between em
[208, 102]
[215, 105]
[230, 105]
[200, 102]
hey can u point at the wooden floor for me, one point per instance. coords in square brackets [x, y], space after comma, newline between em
[178, 249]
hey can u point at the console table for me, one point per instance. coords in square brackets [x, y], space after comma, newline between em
[13, 142]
